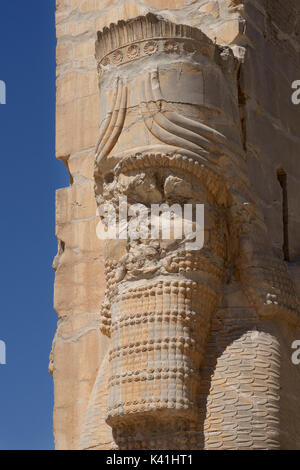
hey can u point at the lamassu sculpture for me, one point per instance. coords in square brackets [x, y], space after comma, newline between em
[171, 133]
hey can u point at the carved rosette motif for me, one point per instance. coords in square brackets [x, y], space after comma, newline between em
[145, 36]
[145, 48]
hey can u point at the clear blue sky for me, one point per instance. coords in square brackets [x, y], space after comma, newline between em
[29, 177]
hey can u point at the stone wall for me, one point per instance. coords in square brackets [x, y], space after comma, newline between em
[266, 34]
[271, 121]
[272, 138]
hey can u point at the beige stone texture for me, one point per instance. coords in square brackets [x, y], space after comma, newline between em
[247, 99]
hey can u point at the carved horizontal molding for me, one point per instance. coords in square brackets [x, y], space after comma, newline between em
[143, 36]
[159, 344]
[140, 49]
[162, 317]
[154, 374]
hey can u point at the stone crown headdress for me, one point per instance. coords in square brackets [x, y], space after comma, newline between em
[129, 40]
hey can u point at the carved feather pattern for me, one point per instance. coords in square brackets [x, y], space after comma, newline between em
[113, 125]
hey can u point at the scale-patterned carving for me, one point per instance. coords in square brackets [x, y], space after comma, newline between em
[240, 386]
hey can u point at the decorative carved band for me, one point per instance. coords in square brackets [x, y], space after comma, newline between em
[156, 365]
[132, 52]
[127, 41]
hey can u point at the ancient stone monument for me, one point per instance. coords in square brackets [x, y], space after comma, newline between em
[162, 343]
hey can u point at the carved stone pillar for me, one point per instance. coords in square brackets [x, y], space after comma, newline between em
[171, 134]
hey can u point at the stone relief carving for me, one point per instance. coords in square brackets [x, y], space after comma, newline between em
[171, 133]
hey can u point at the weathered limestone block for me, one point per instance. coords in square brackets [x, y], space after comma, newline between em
[76, 341]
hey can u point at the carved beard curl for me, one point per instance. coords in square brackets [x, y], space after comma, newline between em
[157, 311]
